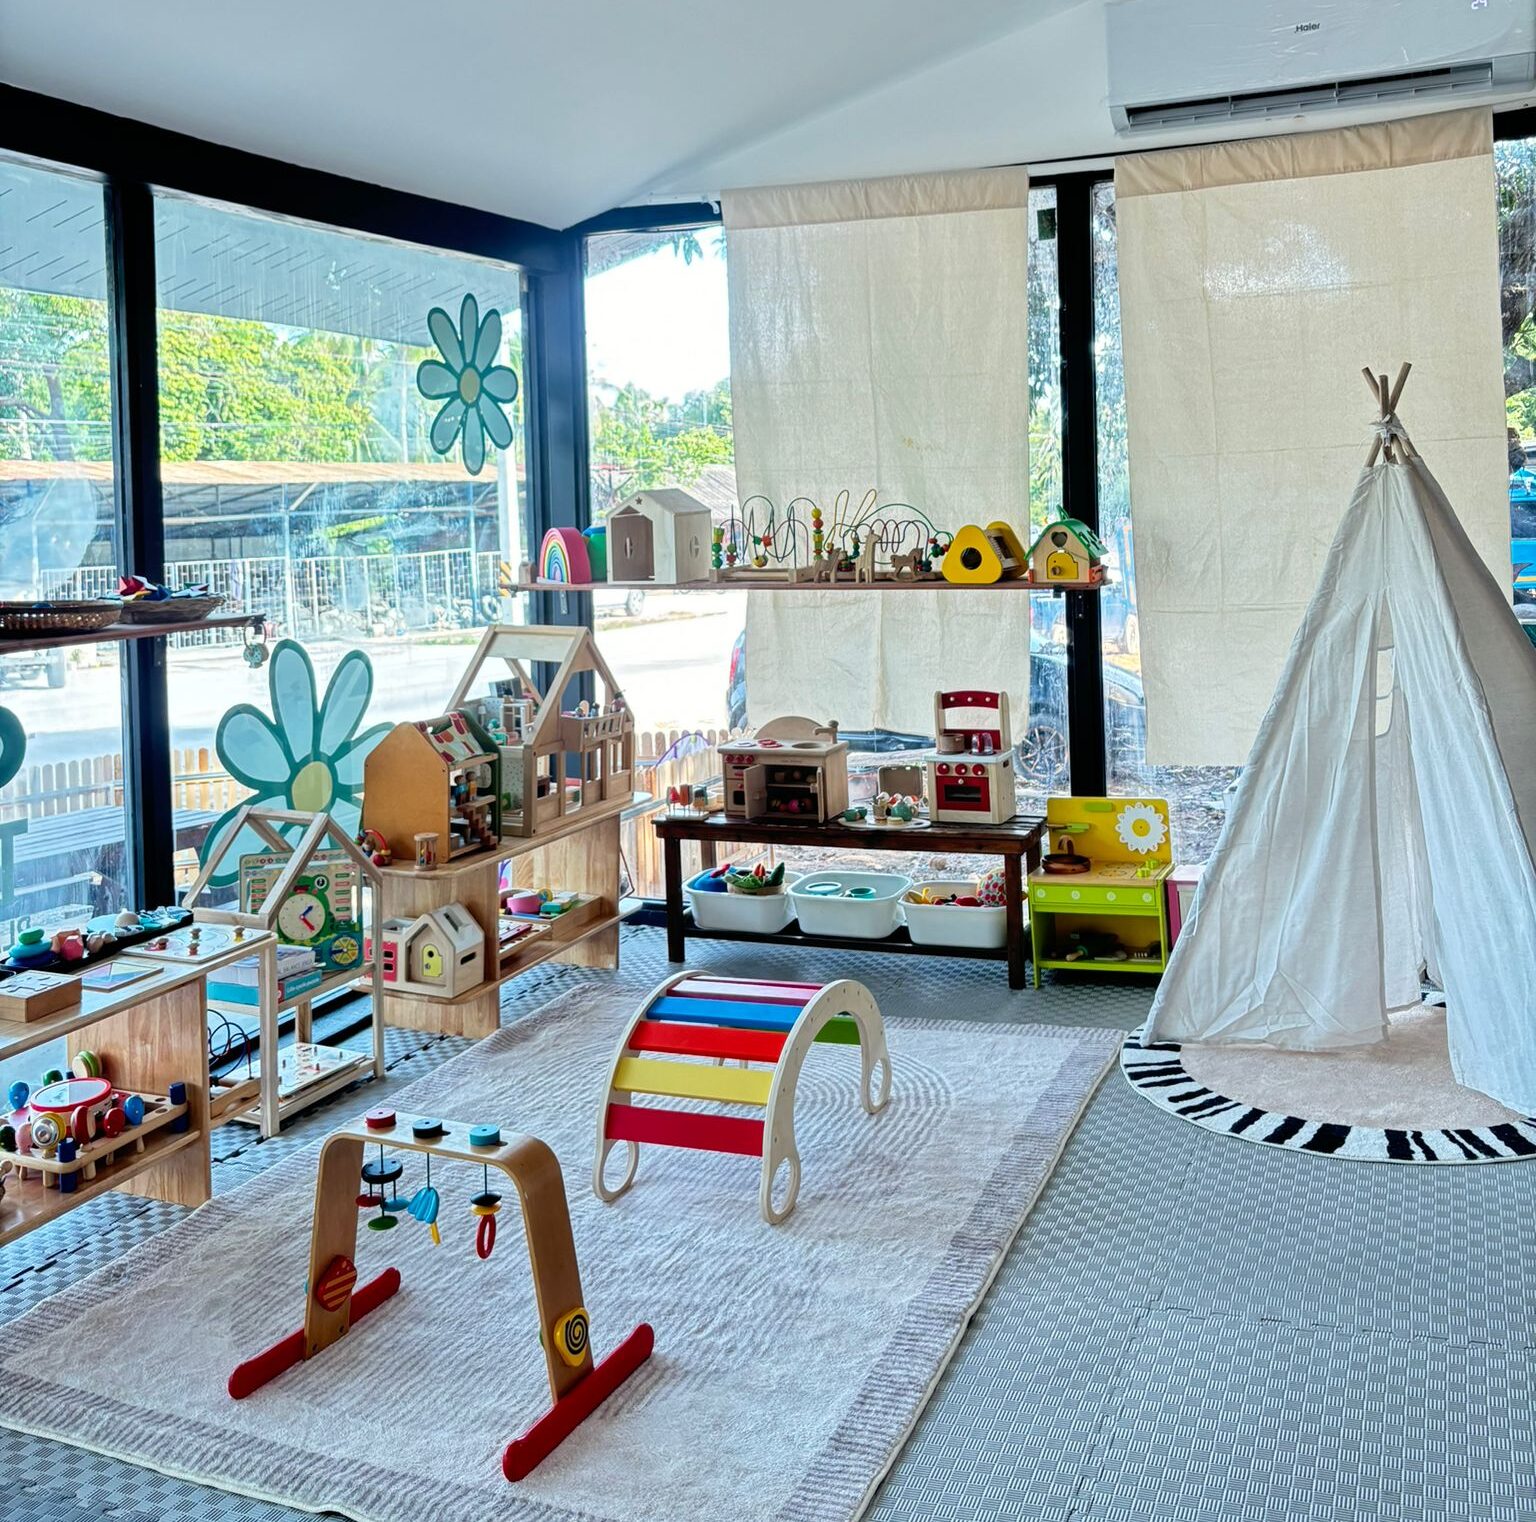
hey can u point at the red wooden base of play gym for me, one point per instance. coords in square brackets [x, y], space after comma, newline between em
[523, 1454]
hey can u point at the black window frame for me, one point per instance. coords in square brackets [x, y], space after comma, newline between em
[132, 161]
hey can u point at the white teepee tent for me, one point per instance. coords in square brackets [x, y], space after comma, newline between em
[1386, 820]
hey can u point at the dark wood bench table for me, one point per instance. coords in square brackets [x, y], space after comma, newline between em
[1017, 843]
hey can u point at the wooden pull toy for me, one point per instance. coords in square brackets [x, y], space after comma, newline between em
[335, 1301]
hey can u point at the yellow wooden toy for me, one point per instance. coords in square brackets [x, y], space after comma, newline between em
[1109, 915]
[978, 557]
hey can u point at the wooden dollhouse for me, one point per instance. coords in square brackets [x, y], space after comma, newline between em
[792, 769]
[554, 762]
[661, 536]
[305, 889]
[439, 776]
[1067, 553]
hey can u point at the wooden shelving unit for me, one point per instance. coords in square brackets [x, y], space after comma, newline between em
[115, 632]
[32, 1204]
[149, 1034]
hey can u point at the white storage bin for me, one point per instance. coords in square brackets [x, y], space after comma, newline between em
[984, 927]
[740, 911]
[867, 919]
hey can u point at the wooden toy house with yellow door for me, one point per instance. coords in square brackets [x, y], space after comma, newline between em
[439, 954]
[1067, 553]
[554, 762]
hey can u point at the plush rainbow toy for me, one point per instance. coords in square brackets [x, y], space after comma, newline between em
[563, 557]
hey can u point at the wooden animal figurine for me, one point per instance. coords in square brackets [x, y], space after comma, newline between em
[864, 566]
[908, 563]
[336, 1302]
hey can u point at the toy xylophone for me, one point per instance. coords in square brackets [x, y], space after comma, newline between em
[765, 1027]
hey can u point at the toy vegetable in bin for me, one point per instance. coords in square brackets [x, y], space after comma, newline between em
[757, 881]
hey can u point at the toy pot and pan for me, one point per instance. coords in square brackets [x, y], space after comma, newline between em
[525, 901]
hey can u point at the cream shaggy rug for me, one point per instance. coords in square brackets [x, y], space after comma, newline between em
[790, 1362]
[1404, 1081]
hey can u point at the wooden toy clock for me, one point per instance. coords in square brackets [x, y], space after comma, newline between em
[320, 911]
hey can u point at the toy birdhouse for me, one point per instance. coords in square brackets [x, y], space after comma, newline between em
[1067, 552]
[553, 760]
[661, 536]
[978, 556]
[440, 953]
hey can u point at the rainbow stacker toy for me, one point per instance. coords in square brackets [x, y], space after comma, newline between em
[334, 1301]
[768, 1028]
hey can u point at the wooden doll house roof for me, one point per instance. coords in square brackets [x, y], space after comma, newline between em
[520, 646]
[1089, 540]
[320, 832]
[663, 499]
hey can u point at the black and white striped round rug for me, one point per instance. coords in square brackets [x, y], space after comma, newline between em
[1158, 1074]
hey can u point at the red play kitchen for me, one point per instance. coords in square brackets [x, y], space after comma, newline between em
[970, 770]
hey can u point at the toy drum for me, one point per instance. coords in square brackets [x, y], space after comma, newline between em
[77, 1104]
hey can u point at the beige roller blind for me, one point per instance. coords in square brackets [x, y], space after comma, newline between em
[879, 340]
[1255, 279]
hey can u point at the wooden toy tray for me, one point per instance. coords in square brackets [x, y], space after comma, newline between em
[158, 1113]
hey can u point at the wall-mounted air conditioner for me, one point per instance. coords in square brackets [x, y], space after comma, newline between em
[1179, 63]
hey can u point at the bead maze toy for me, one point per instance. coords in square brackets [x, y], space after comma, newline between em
[767, 1027]
[334, 1301]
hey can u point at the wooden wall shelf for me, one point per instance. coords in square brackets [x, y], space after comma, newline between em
[113, 632]
[939, 585]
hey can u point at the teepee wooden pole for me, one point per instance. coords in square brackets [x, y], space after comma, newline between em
[1397, 386]
[1370, 380]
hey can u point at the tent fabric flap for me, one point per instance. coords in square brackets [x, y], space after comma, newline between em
[1386, 820]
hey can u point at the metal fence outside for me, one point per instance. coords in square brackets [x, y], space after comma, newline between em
[333, 595]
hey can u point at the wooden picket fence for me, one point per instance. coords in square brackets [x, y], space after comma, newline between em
[89, 782]
[663, 758]
[667, 758]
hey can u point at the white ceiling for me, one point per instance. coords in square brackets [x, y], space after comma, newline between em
[554, 110]
[551, 110]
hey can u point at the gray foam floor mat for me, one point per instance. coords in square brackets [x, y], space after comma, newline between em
[1188, 1327]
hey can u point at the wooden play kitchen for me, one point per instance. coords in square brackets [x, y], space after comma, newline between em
[1017, 843]
[1098, 901]
[334, 1301]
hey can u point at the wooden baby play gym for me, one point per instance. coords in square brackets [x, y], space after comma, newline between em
[333, 1301]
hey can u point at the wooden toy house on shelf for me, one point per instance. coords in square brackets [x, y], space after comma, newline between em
[553, 763]
[439, 776]
[308, 892]
[661, 536]
[1068, 553]
[440, 954]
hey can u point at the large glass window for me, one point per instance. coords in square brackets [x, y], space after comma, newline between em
[1515, 164]
[63, 853]
[659, 413]
[1197, 795]
[342, 450]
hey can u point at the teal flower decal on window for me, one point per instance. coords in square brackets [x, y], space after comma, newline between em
[307, 755]
[474, 385]
[13, 745]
